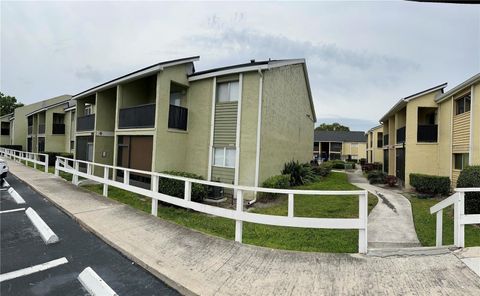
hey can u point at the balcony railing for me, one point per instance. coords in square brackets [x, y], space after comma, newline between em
[427, 133]
[385, 140]
[401, 135]
[86, 123]
[177, 117]
[41, 128]
[142, 116]
[58, 129]
[30, 129]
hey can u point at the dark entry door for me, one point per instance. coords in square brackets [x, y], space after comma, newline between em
[400, 164]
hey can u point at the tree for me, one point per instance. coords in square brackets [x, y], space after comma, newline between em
[8, 104]
[332, 127]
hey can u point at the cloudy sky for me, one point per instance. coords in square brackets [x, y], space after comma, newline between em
[361, 57]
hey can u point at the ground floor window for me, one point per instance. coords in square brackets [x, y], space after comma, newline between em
[460, 160]
[224, 157]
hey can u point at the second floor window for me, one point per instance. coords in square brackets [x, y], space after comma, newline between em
[88, 109]
[379, 140]
[463, 104]
[227, 92]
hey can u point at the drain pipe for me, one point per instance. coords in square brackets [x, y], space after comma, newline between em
[259, 126]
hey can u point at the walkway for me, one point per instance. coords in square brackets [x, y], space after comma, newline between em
[195, 263]
[390, 223]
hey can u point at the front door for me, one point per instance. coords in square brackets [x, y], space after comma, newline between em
[400, 164]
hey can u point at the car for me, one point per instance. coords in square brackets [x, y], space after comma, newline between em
[3, 170]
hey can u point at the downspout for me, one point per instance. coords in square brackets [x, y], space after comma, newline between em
[259, 126]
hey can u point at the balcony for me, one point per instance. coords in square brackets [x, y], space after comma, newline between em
[41, 129]
[58, 129]
[86, 123]
[142, 116]
[177, 117]
[401, 135]
[427, 133]
[385, 140]
[30, 129]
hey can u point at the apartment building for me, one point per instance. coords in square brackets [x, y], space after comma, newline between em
[432, 132]
[375, 144]
[5, 129]
[48, 127]
[227, 124]
[459, 128]
[344, 145]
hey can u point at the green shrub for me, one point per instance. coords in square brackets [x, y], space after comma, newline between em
[470, 177]
[429, 184]
[337, 164]
[278, 182]
[52, 156]
[363, 161]
[13, 147]
[376, 177]
[322, 170]
[177, 188]
[300, 173]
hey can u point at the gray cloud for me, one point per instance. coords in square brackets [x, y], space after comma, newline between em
[89, 73]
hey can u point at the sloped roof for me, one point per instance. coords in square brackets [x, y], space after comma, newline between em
[340, 136]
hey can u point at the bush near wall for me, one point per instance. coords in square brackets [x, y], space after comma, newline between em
[177, 188]
[430, 184]
[368, 167]
[376, 177]
[278, 182]
[470, 177]
[52, 156]
[14, 147]
[323, 169]
[300, 173]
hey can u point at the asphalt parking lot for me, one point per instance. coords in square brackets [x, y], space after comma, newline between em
[23, 247]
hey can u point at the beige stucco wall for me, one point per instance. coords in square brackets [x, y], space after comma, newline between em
[377, 153]
[287, 131]
[5, 139]
[54, 143]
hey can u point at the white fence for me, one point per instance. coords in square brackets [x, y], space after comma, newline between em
[459, 217]
[72, 166]
[26, 156]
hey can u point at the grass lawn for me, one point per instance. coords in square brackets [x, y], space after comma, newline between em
[290, 238]
[425, 223]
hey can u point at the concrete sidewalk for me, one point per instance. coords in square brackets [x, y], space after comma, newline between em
[196, 263]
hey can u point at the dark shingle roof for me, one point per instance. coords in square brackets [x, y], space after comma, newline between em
[339, 136]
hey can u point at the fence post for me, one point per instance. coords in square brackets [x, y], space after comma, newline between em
[126, 177]
[46, 163]
[57, 164]
[363, 217]
[439, 236]
[89, 168]
[188, 191]
[461, 214]
[105, 179]
[239, 223]
[154, 187]
[456, 221]
[290, 205]
[35, 158]
[75, 170]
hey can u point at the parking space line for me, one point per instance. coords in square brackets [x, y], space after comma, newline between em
[32, 269]
[13, 210]
[48, 236]
[16, 197]
[5, 183]
[94, 284]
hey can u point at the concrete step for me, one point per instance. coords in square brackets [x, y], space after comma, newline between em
[411, 251]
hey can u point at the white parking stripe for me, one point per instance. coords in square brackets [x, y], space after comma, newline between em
[32, 269]
[48, 236]
[14, 210]
[94, 284]
[18, 199]
[5, 183]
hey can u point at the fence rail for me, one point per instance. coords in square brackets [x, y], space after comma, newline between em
[72, 166]
[18, 156]
[459, 218]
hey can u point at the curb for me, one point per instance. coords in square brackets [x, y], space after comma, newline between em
[48, 236]
[16, 197]
[94, 284]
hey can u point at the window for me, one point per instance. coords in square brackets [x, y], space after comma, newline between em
[463, 104]
[354, 145]
[224, 157]
[227, 92]
[88, 109]
[5, 128]
[336, 146]
[460, 160]
[58, 118]
[379, 140]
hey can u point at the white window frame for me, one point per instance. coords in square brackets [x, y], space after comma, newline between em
[228, 83]
[224, 162]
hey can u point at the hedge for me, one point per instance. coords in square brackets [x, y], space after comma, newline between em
[430, 184]
[177, 188]
[470, 177]
[52, 156]
[323, 169]
[14, 147]
[278, 182]
[376, 177]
